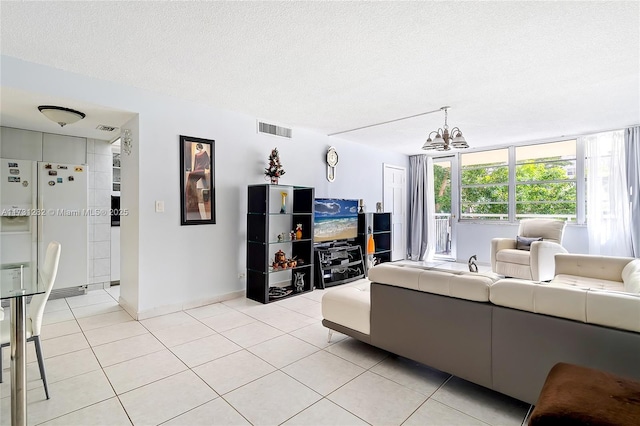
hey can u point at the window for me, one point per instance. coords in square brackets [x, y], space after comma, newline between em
[485, 185]
[546, 181]
[543, 179]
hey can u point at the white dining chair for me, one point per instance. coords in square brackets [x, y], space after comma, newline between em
[47, 274]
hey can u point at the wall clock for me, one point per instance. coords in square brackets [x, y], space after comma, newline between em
[332, 161]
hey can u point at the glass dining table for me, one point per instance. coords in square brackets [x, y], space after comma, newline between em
[17, 282]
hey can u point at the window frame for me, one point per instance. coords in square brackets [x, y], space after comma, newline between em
[578, 180]
[461, 203]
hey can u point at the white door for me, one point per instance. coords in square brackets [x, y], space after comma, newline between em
[395, 201]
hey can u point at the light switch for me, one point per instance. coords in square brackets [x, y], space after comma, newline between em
[159, 206]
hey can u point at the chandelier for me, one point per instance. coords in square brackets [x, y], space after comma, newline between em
[445, 139]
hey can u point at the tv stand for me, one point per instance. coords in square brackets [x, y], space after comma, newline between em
[338, 263]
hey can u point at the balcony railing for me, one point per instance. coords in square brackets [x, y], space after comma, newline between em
[443, 233]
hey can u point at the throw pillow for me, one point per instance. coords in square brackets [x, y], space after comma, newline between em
[524, 243]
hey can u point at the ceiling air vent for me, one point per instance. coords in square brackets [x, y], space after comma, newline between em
[272, 129]
[106, 128]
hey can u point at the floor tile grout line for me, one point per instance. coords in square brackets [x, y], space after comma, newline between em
[90, 347]
[99, 368]
[187, 368]
[366, 368]
[235, 409]
[331, 402]
[460, 411]
[398, 383]
[196, 407]
[89, 304]
[215, 359]
[318, 349]
[81, 408]
[451, 376]
[109, 381]
[39, 379]
[284, 366]
[428, 398]
[333, 391]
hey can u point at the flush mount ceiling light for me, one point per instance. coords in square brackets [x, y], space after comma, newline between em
[61, 115]
[444, 140]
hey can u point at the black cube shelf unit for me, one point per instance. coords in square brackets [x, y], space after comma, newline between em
[268, 231]
[380, 224]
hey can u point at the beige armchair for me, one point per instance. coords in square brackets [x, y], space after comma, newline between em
[536, 264]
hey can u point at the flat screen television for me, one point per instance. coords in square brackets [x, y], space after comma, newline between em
[335, 219]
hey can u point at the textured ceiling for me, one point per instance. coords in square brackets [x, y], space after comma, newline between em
[511, 71]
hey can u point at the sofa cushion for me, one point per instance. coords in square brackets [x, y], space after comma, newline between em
[587, 283]
[631, 276]
[524, 243]
[349, 305]
[594, 306]
[614, 309]
[398, 275]
[521, 257]
[513, 293]
[459, 284]
[558, 301]
[561, 301]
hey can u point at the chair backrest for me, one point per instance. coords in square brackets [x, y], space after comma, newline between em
[47, 275]
[548, 229]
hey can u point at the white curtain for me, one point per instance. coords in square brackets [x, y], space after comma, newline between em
[632, 150]
[608, 212]
[422, 209]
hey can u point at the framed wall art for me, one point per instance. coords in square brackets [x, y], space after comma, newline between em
[197, 181]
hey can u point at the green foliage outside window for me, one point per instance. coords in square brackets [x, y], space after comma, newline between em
[442, 188]
[543, 187]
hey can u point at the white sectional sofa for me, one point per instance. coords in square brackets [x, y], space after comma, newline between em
[504, 334]
[589, 289]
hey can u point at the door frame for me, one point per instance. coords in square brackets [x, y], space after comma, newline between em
[455, 202]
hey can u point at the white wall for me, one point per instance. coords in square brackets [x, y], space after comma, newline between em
[184, 265]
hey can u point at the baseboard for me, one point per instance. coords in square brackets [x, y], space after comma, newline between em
[160, 310]
[98, 286]
[128, 308]
[169, 309]
[60, 293]
[216, 299]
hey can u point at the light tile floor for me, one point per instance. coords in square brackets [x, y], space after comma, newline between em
[234, 363]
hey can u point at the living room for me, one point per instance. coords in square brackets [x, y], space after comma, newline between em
[516, 76]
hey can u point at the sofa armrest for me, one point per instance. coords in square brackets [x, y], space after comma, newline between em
[543, 259]
[498, 244]
[591, 266]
